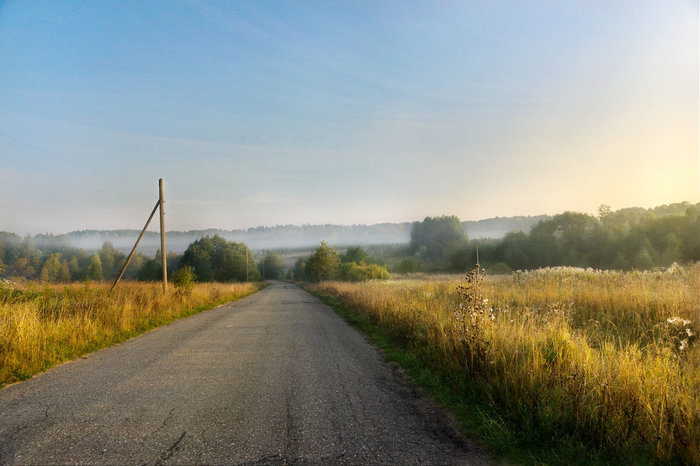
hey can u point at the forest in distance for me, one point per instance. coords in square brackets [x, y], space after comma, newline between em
[291, 237]
[632, 238]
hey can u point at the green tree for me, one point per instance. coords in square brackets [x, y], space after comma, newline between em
[64, 274]
[323, 263]
[355, 254]
[74, 268]
[463, 259]
[52, 269]
[215, 259]
[643, 260]
[94, 271]
[514, 250]
[272, 266]
[299, 271]
[435, 239]
[690, 234]
[197, 256]
[150, 271]
[108, 260]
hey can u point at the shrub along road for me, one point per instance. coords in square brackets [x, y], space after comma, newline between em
[276, 377]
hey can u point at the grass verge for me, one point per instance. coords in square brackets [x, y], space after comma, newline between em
[475, 418]
[567, 367]
[41, 327]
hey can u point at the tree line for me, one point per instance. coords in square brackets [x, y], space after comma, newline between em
[22, 258]
[624, 239]
[211, 258]
[632, 238]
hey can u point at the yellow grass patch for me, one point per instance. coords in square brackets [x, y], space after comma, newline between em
[611, 358]
[43, 326]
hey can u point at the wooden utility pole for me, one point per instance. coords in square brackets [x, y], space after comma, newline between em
[162, 236]
[246, 263]
[126, 264]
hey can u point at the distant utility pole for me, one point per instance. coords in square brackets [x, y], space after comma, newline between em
[162, 236]
[477, 252]
[246, 262]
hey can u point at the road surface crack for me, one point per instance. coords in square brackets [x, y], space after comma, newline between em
[170, 452]
[165, 422]
[143, 440]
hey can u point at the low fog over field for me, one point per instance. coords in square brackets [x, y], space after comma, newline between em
[282, 236]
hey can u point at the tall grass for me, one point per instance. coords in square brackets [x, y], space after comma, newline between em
[604, 362]
[43, 326]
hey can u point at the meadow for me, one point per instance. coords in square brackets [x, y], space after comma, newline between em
[42, 326]
[568, 364]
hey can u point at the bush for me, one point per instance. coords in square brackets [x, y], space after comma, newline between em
[184, 279]
[500, 268]
[361, 272]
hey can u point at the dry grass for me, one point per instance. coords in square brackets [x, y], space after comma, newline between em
[589, 357]
[43, 326]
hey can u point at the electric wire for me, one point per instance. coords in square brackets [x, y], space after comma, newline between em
[53, 175]
[68, 161]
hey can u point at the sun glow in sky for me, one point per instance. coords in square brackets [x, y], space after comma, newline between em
[264, 113]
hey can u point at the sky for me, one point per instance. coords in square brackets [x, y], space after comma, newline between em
[361, 112]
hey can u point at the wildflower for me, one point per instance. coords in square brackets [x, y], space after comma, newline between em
[683, 345]
[678, 321]
[689, 332]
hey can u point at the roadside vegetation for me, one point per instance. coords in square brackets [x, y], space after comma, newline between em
[355, 265]
[558, 365]
[42, 326]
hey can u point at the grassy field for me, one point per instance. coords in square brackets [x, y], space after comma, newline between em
[555, 365]
[44, 326]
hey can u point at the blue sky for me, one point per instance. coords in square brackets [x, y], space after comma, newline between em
[264, 113]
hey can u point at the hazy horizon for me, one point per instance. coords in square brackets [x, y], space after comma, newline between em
[154, 227]
[361, 113]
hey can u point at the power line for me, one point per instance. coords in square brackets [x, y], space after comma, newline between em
[54, 175]
[51, 154]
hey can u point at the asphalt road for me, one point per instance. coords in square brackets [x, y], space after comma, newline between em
[276, 377]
